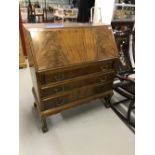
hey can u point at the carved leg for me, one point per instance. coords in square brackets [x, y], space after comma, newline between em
[35, 105]
[44, 125]
[106, 101]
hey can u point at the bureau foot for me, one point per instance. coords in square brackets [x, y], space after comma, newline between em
[35, 105]
[44, 125]
[106, 101]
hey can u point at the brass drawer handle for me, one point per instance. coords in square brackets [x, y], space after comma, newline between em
[58, 89]
[59, 77]
[103, 69]
[60, 101]
[102, 80]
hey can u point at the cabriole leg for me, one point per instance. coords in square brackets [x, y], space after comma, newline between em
[44, 125]
[35, 105]
[106, 101]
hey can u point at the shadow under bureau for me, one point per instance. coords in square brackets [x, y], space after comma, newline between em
[70, 65]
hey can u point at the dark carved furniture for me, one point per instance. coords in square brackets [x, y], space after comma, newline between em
[70, 65]
[125, 85]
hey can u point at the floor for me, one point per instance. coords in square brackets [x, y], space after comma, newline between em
[90, 129]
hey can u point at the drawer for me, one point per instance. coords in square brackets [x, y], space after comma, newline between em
[56, 102]
[61, 88]
[87, 92]
[51, 76]
[77, 95]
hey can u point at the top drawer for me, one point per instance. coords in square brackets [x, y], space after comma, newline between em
[55, 76]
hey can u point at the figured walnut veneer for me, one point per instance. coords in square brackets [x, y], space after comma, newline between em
[68, 46]
[70, 66]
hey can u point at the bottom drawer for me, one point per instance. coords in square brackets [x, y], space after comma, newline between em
[76, 95]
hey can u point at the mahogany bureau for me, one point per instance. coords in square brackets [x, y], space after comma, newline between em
[70, 65]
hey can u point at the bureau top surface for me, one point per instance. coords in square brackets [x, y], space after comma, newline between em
[65, 46]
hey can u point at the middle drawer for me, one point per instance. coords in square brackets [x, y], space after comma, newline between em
[59, 88]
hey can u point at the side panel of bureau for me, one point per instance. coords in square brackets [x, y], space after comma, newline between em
[28, 47]
[32, 65]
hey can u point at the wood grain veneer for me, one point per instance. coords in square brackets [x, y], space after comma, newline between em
[60, 46]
